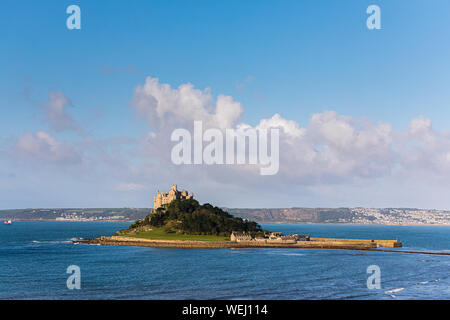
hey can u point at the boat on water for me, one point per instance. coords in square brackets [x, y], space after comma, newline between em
[7, 222]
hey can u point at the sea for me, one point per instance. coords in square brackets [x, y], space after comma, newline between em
[35, 258]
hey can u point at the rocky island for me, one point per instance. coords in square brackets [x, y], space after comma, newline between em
[178, 220]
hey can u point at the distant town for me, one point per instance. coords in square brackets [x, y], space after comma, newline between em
[73, 214]
[383, 216]
[386, 216]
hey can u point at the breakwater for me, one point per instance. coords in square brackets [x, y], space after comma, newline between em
[379, 243]
[314, 244]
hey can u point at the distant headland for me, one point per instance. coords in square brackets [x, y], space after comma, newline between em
[297, 215]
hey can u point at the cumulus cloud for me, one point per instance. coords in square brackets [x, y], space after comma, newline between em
[420, 125]
[426, 149]
[331, 148]
[57, 115]
[289, 127]
[44, 147]
[163, 105]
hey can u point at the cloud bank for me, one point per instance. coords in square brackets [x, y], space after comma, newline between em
[333, 156]
[332, 148]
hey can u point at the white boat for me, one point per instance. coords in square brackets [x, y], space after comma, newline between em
[7, 222]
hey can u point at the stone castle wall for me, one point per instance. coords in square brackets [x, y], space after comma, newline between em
[167, 197]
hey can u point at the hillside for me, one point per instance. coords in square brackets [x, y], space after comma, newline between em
[188, 217]
[295, 215]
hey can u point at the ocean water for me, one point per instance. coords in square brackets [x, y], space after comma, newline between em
[34, 257]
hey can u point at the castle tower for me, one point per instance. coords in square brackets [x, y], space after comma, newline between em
[167, 197]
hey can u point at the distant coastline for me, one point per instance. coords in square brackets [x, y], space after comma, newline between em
[70, 220]
[281, 223]
[350, 216]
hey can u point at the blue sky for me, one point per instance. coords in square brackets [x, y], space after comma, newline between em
[294, 58]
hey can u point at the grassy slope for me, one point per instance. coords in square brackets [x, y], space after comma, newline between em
[159, 234]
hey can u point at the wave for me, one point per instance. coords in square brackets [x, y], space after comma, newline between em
[394, 290]
[279, 252]
[426, 282]
[51, 241]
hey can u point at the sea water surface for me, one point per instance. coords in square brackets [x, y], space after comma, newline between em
[34, 257]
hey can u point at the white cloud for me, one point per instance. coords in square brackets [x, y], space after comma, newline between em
[333, 130]
[425, 149]
[289, 127]
[57, 115]
[42, 146]
[330, 149]
[420, 125]
[163, 105]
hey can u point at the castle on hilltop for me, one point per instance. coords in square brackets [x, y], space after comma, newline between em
[167, 197]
